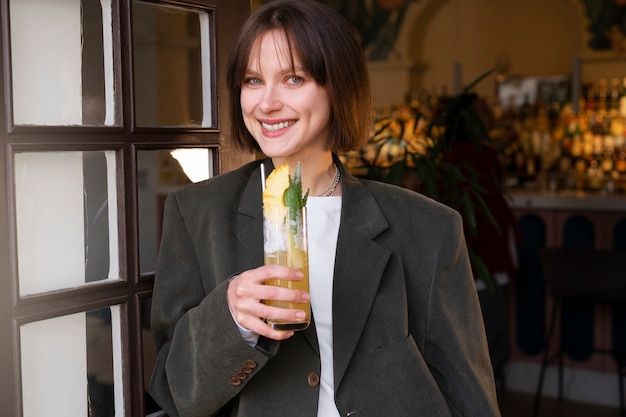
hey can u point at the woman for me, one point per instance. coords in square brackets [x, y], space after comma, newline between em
[396, 329]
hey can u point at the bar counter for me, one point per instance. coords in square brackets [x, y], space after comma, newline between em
[567, 200]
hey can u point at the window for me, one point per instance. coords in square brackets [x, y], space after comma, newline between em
[62, 62]
[108, 106]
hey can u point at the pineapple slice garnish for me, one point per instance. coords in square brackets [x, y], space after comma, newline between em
[282, 191]
[275, 185]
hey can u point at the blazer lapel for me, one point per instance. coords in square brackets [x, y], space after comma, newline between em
[249, 223]
[359, 265]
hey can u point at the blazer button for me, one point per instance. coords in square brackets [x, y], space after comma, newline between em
[241, 375]
[250, 364]
[235, 381]
[313, 379]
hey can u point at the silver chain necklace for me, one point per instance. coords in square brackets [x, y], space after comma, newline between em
[330, 190]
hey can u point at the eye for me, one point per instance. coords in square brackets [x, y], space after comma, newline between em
[252, 81]
[295, 80]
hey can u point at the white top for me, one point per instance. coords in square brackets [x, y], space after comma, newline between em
[323, 215]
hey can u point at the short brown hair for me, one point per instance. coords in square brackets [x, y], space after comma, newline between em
[328, 51]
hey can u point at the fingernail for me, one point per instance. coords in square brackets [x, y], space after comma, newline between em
[306, 296]
[300, 314]
[300, 274]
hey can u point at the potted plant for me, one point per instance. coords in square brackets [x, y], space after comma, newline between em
[377, 23]
[409, 147]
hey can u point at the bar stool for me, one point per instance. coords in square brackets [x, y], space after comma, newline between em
[581, 275]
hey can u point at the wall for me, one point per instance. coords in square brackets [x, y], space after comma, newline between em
[529, 38]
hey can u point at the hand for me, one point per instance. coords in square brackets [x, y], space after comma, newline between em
[247, 290]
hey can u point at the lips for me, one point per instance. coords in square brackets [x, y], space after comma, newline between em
[274, 127]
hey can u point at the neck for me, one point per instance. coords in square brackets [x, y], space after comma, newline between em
[317, 171]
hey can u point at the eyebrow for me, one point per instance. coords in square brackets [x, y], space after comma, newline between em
[287, 71]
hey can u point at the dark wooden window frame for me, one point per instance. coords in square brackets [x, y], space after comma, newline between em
[126, 140]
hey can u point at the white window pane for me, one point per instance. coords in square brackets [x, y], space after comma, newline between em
[195, 163]
[172, 65]
[159, 172]
[71, 365]
[62, 62]
[66, 215]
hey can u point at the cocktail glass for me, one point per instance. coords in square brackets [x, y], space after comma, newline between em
[285, 243]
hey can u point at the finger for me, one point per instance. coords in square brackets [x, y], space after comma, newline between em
[282, 313]
[280, 293]
[270, 272]
[261, 327]
[275, 334]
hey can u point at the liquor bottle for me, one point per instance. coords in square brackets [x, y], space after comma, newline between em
[607, 163]
[620, 149]
[622, 100]
[526, 110]
[570, 137]
[590, 98]
[620, 164]
[614, 98]
[602, 96]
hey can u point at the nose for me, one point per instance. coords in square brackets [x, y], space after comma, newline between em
[270, 100]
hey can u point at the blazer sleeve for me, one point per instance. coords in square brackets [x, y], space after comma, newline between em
[456, 347]
[201, 354]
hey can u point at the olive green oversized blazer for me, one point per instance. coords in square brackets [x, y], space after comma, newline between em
[407, 328]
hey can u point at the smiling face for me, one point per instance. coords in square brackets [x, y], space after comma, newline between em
[283, 107]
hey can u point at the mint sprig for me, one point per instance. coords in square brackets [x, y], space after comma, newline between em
[293, 198]
[295, 201]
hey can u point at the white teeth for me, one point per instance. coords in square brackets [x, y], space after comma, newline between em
[277, 126]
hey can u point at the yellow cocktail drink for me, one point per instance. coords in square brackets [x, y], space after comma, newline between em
[285, 238]
[296, 259]
[286, 245]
